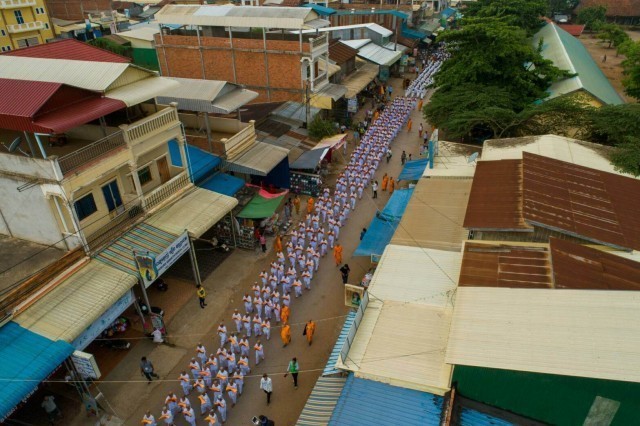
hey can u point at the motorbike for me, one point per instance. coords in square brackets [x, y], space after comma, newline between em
[119, 344]
[145, 309]
[217, 245]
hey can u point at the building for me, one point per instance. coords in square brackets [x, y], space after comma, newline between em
[620, 12]
[74, 10]
[568, 53]
[24, 23]
[143, 51]
[251, 46]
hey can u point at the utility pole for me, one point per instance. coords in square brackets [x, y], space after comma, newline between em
[307, 102]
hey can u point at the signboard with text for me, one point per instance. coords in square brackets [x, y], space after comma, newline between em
[151, 267]
[86, 365]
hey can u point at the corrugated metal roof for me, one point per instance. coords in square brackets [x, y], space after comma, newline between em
[213, 96]
[580, 201]
[580, 333]
[26, 358]
[434, 215]
[510, 265]
[341, 52]
[470, 417]
[452, 160]
[356, 44]
[24, 98]
[580, 267]
[330, 368]
[568, 53]
[236, 16]
[379, 55]
[587, 154]
[495, 201]
[67, 310]
[73, 115]
[146, 34]
[142, 90]
[356, 81]
[396, 47]
[70, 50]
[365, 402]
[195, 212]
[324, 396]
[258, 160]
[333, 68]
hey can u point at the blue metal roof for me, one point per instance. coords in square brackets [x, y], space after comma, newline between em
[365, 402]
[414, 169]
[321, 10]
[447, 13]
[330, 368]
[469, 417]
[223, 184]
[395, 13]
[324, 396]
[26, 359]
[411, 33]
[201, 163]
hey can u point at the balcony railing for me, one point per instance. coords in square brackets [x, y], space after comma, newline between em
[154, 123]
[319, 80]
[14, 4]
[27, 26]
[115, 227]
[319, 41]
[90, 152]
[166, 191]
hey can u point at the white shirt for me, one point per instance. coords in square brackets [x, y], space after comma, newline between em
[266, 384]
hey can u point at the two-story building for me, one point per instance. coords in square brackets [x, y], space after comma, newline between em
[23, 23]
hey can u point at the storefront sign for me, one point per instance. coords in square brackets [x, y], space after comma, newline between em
[86, 365]
[352, 104]
[151, 267]
[105, 320]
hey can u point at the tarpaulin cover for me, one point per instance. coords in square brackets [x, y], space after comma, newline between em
[413, 170]
[26, 358]
[201, 163]
[260, 207]
[309, 160]
[384, 224]
[223, 183]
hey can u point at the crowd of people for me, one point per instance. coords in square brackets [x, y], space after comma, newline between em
[431, 63]
[217, 378]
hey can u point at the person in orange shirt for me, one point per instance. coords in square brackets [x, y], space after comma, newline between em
[385, 182]
[285, 335]
[392, 185]
[310, 202]
[284, 314]
[277, 244]
[309, 329]
[337, 254]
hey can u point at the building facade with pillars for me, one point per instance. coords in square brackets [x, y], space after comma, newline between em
[23, 23]
[251, 46]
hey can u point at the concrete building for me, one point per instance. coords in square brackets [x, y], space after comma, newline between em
[74, 10]
[23, 23]
[247, 45]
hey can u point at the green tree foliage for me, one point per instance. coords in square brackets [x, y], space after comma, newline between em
[592, 17]
[610, 124]
[631, 66]
[626, 155]
[562, 6]
[524, 14]
[109, 45]
[320, 128]
[613, 34]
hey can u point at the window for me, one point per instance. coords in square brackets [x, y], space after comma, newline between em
[85, 206]
[26, 42]
[39, 10]
[111, 194]
[3, 33]
[46, 26]
[6, 48]
[144, 175]
[18, 15]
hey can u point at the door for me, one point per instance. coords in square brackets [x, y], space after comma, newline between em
[112, 195]
[163, 169]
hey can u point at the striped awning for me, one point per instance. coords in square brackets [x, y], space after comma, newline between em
[143, 238]
[330, 368]
[323, 399]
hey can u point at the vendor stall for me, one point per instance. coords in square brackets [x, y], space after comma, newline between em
[259, 213]
[308, 170]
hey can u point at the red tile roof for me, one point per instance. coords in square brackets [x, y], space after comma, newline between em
[69, 49]
[574, 30]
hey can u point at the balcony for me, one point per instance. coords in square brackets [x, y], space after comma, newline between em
[319, 81]
[319, 41]
[167, 191]
[148, 133]
[88, 153]
[27, 26]
[15, 4]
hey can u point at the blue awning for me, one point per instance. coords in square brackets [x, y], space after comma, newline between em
[321, 10]
[309, 159]
[447, 13]
[201, 163]
[384, 224]
[223, 183]
[470, 417]
[365, 402]
[413, 170]
[411, 33]
[330, 368]
[324, 396]
[26, 359]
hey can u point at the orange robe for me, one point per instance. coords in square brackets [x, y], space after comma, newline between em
[420, 105]
[296, 204]
[385, 181]
[337, 254]
[284, 314]
[392, 185]
[277, 244]
[409, 124]
[311, 328]
[310, 205]
[285, 334]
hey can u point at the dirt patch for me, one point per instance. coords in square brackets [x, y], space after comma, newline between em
[612, 67]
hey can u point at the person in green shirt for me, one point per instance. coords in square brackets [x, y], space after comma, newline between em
[293, 368]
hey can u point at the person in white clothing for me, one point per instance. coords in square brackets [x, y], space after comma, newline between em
[267, 386]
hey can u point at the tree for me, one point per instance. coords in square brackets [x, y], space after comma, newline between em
[525, 14]
[626, 156]
[610, 124]
[562, 6]
[631, 67]
[592, 17]
[613, 34]
[320, 128]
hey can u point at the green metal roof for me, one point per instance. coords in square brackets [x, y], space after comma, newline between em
[567, 52]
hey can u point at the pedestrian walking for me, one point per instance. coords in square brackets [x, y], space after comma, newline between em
[205, 403]
[267, 386]
[201, 352]
[259, 351]
[148, 419]
[50, 407]
[345, 273]
[166, 415]
[389, 155]
[212, 418]
[285, 334]
[385, 182]
[293, 369]
[403, 157]
[185, 382]
[337, 254]
[189, 415]
[409, 124]
[284, 314]
[309, 329]
[277, 244]
[222, 408]
[263, 243]
[392, 186]
[362, 233]
[146, 368]
[201, 295]
[296, 204]
[374, 188]
[420, 128]
[171, 403]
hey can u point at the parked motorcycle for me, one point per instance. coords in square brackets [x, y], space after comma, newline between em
[118, 344]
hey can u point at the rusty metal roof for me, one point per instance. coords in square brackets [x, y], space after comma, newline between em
[510, 265]
[495, 201]
[580, 201]
[340, 52]
[580, 267]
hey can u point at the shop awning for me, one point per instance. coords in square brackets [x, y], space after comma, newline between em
[26, 358]
[330, 368]
[195, 212]
[260, 207]
[143, 238]
[201, 162]
[379, 55]
[223, 184]
[325, 97]
[413, 170]
[331, 142]
[259, 160]
[384, 224]
[72, 306]
[322, 401]
[358, 80]
[309, 159]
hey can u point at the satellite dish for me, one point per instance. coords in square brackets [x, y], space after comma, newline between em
[15, 146]
[473, 157]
